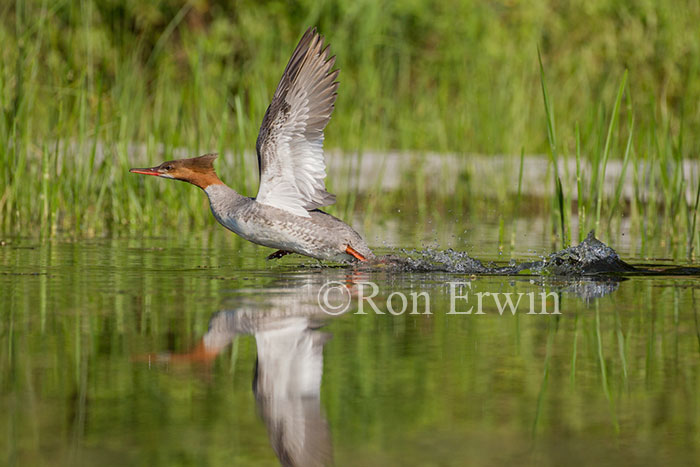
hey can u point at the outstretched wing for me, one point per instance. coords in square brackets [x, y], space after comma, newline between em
[290, 142]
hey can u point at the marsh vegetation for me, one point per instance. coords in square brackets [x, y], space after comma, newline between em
[88, 89]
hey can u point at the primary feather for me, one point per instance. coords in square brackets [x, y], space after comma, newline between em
[290, 142]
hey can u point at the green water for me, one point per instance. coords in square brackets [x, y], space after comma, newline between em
[99, 363]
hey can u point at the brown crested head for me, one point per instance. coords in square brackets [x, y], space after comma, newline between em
[197, 170]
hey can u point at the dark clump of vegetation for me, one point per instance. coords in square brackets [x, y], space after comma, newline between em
[87, 86]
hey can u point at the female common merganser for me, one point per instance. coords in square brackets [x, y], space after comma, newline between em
[284, 214]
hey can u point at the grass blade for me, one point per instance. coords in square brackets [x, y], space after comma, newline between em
[606, 150]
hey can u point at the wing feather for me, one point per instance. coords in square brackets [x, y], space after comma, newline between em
[290, 142]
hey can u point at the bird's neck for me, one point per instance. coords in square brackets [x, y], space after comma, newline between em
[226, 204]
[220, 193]
[204, 179]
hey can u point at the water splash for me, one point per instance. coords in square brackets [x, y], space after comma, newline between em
[590, 257]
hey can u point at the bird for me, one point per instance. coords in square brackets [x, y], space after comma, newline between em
[285, 214]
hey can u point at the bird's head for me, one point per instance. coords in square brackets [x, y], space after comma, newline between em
[197, 170]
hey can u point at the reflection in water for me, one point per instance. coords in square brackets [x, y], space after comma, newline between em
[421, 389]
[288, 369]
[588, 289]
[287, 388]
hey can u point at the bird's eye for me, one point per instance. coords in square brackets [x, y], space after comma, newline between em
[168, 167]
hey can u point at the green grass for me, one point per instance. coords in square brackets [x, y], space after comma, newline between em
[661, 209]
[91, 88]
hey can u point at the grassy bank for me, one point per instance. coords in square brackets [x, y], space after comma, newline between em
[81, 83]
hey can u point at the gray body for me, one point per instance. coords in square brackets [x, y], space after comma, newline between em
[320, 236]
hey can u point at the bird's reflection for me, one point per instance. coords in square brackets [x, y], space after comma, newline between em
[287, 389]
[288, 369]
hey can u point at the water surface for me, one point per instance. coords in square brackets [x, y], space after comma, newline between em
[107, 357]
